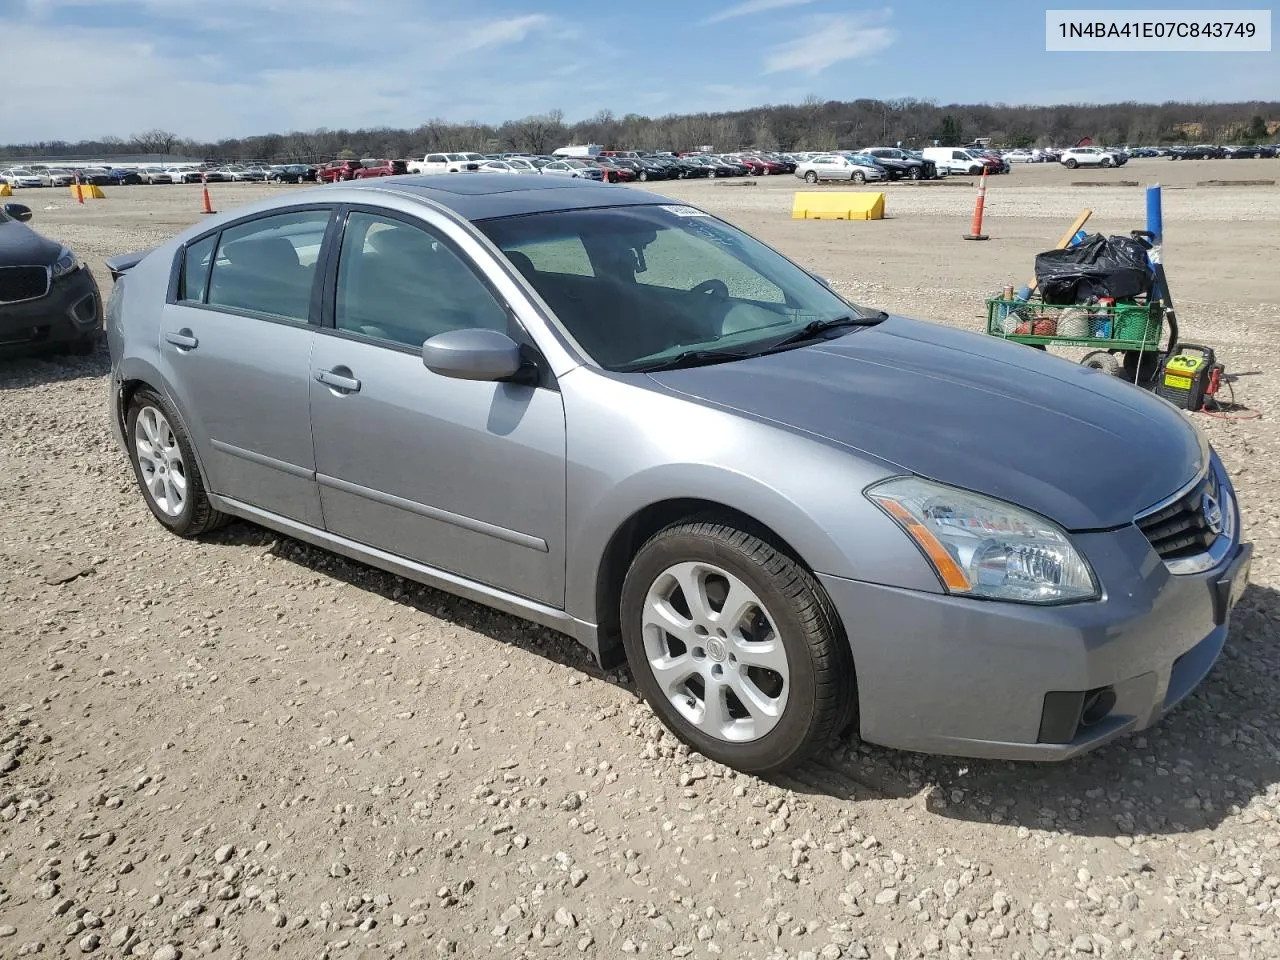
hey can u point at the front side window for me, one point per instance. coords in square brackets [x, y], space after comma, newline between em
[639, 285]
[268, 265]
[399, 283]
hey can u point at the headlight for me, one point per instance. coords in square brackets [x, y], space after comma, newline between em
[66, 263]
[982, 547]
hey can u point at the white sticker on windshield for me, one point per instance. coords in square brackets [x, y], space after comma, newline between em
[683, 211]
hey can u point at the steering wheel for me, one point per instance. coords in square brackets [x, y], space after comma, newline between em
[714, 288]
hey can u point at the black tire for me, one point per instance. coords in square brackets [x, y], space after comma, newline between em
[1070, 163]
[1106, 161]
[197, 515]
[644, 175]
[811, 176]
[1140, 368]
[914, 174]
[821, 698]
[1102, 360]
[858, 177]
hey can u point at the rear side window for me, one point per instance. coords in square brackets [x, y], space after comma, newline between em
[268, 265]
[195, 270]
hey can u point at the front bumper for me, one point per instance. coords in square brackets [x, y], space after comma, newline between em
[949, 675]
[70, 310]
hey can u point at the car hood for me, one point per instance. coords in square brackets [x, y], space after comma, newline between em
[1078, 446]
[22, 246]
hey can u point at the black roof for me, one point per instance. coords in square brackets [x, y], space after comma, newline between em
[484, 196]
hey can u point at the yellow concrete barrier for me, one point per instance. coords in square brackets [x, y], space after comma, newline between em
[6, 190]
[88, 191]
[838, 206]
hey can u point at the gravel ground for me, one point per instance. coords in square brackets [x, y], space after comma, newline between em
[244, 745]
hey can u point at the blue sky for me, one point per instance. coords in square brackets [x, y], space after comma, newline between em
[214, 68]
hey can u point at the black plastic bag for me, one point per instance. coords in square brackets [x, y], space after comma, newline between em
[1098, 266]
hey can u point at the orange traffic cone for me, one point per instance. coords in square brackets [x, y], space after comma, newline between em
[975, 228]
[208, 206]
[79, 191]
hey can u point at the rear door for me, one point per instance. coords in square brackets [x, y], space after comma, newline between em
[236, 337]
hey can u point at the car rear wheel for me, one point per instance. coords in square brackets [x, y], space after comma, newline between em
[1106, 161]
[858, 177]
[644, 175]
[811, 177]
[165, 467]
[711, 174]
[736, 647]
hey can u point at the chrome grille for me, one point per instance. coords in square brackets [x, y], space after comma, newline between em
[1181, 528]
[23, 283]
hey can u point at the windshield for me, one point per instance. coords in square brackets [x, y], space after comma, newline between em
[639, 285]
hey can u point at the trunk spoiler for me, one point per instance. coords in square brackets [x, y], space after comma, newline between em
[124, 262]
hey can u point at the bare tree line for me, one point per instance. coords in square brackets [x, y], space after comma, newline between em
[814, 124]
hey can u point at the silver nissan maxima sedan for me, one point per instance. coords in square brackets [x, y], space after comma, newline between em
[619, 416]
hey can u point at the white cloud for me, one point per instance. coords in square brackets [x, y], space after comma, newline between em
[750, 7]
[826, 41]
[238, 67]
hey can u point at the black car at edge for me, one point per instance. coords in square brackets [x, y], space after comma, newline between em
[48, 297]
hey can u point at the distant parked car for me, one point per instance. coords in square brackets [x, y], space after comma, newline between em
[56, 177]
[336, 170]
[437, 163]
[1019, 156]
[956, 160]
[21, 177]
[1202, 151]
[381, 168]
[290, 173]
[910, 168]
[504, 167]
[1087, 157]
[615, 172]
[120, 176]
[834, 166]
[575, 169]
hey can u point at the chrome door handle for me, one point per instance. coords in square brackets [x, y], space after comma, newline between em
[338, 381]
[184, 339]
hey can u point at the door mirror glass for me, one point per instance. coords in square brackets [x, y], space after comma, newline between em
[18, 211]
[475, 354]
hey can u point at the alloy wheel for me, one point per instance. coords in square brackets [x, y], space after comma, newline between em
[715, 652]
[164, 474]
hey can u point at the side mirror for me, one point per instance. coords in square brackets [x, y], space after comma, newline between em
[19, 212]
[473, 355]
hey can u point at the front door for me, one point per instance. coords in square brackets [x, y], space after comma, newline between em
[464, 476]
[238, 341]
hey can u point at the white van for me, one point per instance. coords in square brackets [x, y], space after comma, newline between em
[954, 160]
[583, 151]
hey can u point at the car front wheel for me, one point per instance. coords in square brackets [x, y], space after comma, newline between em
[1070, 163]
[165, 467]
[811, 177]
[736, 647]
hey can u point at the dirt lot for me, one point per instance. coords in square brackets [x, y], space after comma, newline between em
[244, 745]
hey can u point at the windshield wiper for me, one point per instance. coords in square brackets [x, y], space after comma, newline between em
[689, 358]
[815, 328]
